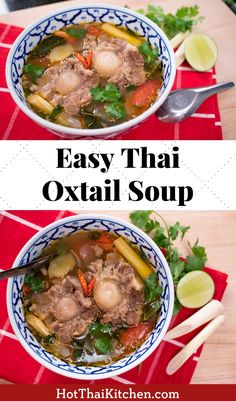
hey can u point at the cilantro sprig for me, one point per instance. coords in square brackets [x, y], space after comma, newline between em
[164, 236]
[183, 20]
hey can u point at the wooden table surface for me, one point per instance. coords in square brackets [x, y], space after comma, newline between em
[217, 231]
[219, 23]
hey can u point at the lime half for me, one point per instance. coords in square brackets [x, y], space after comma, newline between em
[195, 289]
[200, 52]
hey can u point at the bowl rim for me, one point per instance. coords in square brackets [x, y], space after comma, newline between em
[87, 376]
[116, 129]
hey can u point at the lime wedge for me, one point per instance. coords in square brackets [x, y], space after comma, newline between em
[195, 289]
[200, 52]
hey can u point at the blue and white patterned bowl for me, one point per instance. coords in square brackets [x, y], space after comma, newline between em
[120, 16]
[67, 226]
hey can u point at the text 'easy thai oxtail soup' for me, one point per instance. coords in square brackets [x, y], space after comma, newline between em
[92, 76]
[95, 301]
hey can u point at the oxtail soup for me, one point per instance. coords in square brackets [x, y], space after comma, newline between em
[92, 76]
[95, 301]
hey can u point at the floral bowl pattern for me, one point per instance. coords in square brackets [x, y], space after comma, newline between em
[119, 16]
[68, 226]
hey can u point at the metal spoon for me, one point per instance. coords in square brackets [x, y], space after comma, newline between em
[181, 104]
[18, 271]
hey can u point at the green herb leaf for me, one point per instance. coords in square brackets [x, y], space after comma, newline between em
[177, 268]
[97, 328]
[91, 121]
[49, 339]
[35, 283]
[183, 20]
[35, 71]
[75, 32]
[140, 218]
[152, 289]
[116, 110]
[198, 260]
[163, 237]
[149, 54]
[103, 344]
[47, 45]
[109, 93]
[176, 229]
[160, 238]
[151, 309]
[77, 353]
[194, 263]
[56, 111]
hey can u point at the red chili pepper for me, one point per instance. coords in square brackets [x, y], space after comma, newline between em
[94, 30]
[105, 242]
[83, 282]
[91, 285]
[80, 58]
[89, 58]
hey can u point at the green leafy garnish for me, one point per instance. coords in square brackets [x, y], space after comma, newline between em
[97, 328]
[77, 353]
[91, 121]
[150, 309]
[109, 93]
[56, 111]
[116, 110]
[103, 344]
[47, 45]
[149, 54]
[75, 33]
[198, 259]
[35, 283]
[49, 339]
[152, 289]
[183, 20]
[164, 235]
[35, 71]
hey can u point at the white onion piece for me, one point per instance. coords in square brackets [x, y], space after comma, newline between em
[67, 82]
[107, 295]
[106, 62]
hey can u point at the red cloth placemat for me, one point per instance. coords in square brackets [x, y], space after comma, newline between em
[18, 367]
[204, 125]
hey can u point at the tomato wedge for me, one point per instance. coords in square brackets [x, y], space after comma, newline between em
[145, 94]
[105, 242]
[94, 30]
[133, 336]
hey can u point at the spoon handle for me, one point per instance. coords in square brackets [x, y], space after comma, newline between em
[18, 271]
[213, 89]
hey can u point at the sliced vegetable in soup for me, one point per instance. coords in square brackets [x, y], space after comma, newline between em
[92, 76]
[96, 300]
